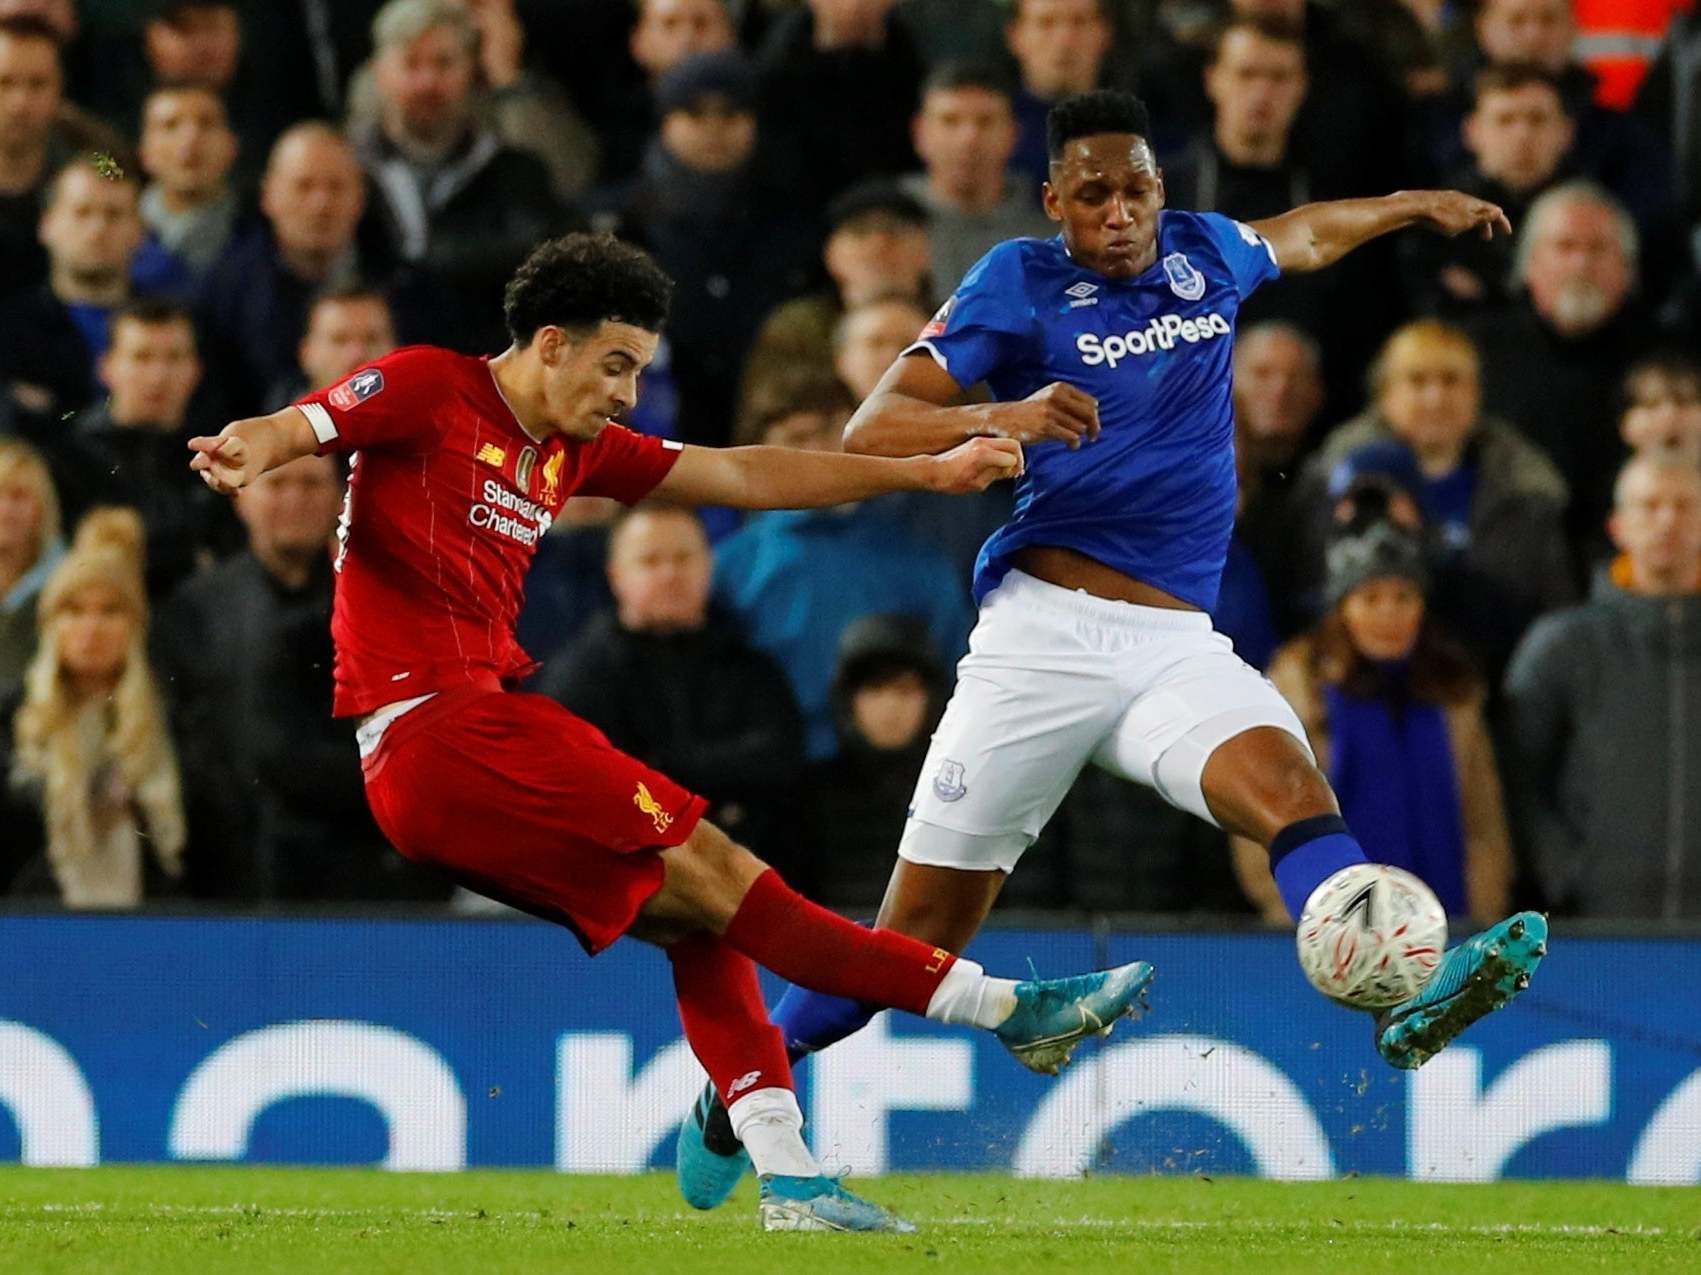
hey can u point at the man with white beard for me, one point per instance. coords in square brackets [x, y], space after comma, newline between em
[1554, 356]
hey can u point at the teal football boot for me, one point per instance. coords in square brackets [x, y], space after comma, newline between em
[1479, 976]
[821, 1204]
[708, 1160]
[1053, 1015]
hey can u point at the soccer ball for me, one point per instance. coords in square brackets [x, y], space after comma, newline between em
[1371, 936]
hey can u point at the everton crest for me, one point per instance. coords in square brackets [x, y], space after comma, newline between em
[1186, 282]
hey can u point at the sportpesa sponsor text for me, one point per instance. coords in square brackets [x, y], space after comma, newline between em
[1161, 333]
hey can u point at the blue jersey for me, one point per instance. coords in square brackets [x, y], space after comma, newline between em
[1154, 497]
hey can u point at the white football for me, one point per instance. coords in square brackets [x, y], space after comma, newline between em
[1371, 936]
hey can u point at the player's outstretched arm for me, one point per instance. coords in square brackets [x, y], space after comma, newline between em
[1313, 236]
[245, 449]
[917, 409]
[786, 478]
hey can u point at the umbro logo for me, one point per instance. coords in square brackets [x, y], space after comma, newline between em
[1081, 294]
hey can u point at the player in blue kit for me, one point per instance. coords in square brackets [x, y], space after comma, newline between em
[1108, 352]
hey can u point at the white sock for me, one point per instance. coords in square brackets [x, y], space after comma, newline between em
[770, 1125]
[968, 998]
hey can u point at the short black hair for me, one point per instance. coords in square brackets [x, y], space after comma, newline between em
[948, 77]
[26, 28]
[582, 280]
[153, 312]
[1090, 114]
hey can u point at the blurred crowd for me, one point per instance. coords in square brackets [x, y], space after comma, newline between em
[1469, 544]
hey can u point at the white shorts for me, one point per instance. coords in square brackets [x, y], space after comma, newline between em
[1056, 678]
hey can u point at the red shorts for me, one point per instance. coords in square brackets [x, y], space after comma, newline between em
[518, 799]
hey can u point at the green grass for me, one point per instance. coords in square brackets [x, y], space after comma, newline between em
[195, 1221]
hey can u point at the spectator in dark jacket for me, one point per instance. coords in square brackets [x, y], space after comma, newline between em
[1602, 706]
[1060, 48]
[460, 209]
[888, 692]
[710, 207]
[129, 450]
[346, 327]
[40, 132]
[278, 802]
[254, 301]
[52, 337]
[848, 72]
[1493, 502]
[678, 690]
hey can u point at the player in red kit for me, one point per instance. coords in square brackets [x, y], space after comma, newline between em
[458, 465]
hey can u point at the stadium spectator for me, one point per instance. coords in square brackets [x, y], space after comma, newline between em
[870, 336]
[888, 691]
[673, 685]
[1395, 717]
[96, 813]
[567, 584]
[663, 34]
[1662, 406]
[1602, 702]
[346, 327]
[1494, 504]
[30, 549]
[1246, 163]
[40, 132]
[965, 134]
[1667, 103]
[1060, 47]
[719, 220]
[1612, 147]
[524, 107]
[278, 802]
[1518, 135]
[1554, 357]
[255, 299]
[876, 246]
[796, 580]
[187, 152]
[129, 449]
[55, 334]
[459, 208]
[839, 81]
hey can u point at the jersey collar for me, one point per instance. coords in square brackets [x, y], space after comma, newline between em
[515, 416]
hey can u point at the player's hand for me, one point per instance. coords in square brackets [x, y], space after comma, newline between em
[974, 465]
[225, 463]
[1058, 413]
[1450, 212]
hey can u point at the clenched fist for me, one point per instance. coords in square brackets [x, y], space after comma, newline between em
[1060, 412]
[974, 465]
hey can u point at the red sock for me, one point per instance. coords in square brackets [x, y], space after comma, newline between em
[808, 945]
[720, 1004]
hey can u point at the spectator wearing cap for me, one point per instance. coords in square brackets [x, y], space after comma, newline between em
[673, 685]
[188, 148]
[876, 246]
[460, 209]
[1602, 702]
[1494, 503]
[796, 580]
[711, 209]
[91, 802]
[40, 132]
[965, 134]
[839, 85]
[888, 691]
[1395, 717]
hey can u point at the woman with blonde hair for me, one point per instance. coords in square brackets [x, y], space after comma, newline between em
[30, 548]
[92, 760]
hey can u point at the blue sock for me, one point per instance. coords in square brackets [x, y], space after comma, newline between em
[1306, 854]
[811, 1020]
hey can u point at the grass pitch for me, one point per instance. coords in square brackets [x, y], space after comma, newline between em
[193, 1221]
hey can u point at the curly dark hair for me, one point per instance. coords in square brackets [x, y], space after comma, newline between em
[581, 280]
[1089, 114]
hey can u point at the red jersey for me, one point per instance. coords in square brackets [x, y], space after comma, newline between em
[447, 498]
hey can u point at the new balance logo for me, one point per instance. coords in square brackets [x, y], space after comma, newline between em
[743, 1082]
